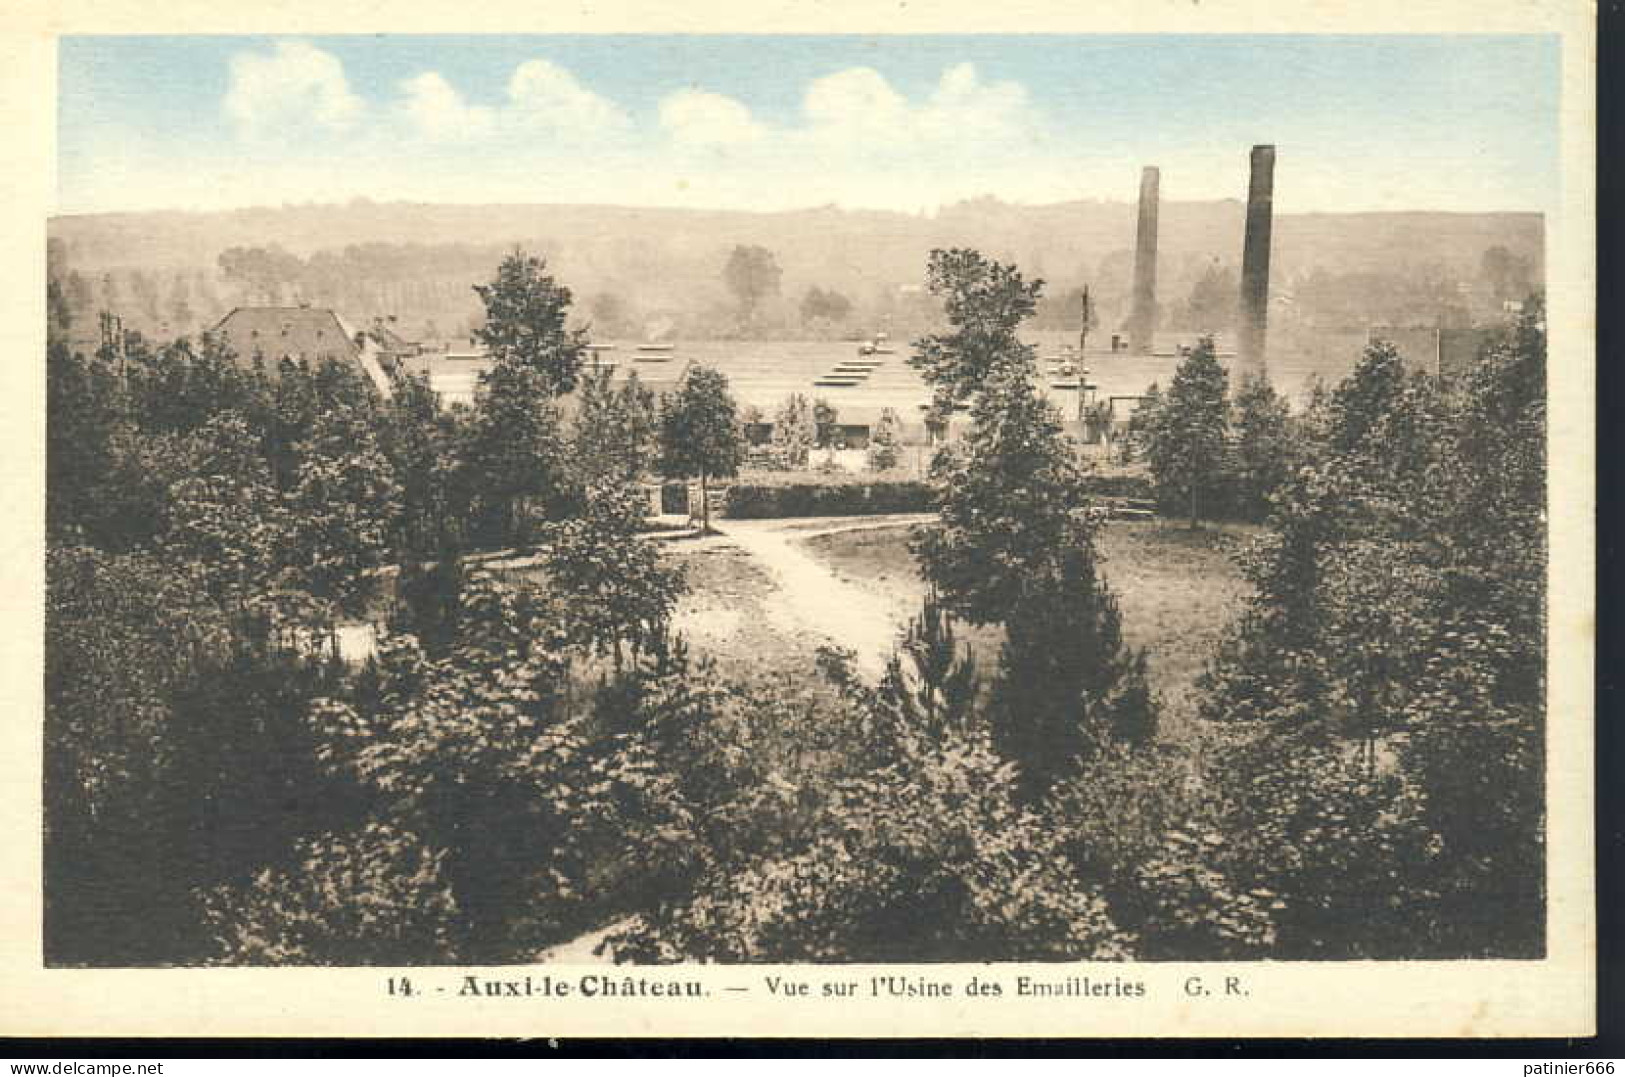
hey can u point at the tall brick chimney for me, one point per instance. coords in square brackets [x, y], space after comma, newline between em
[1143, 314]
[1251, 347]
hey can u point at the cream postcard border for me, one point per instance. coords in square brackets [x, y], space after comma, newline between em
[1552, 997]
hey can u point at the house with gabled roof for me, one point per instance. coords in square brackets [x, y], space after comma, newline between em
[303, 334]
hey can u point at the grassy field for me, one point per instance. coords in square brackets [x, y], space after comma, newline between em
[1178, 590]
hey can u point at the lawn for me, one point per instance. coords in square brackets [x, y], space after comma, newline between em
[1178, 590]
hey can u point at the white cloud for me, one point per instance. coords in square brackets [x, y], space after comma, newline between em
[701, 118]
[434, 108]
[858, 106]
[542, 94]
[856, 100]
[859, 140]
[296, 87]
[964, 106]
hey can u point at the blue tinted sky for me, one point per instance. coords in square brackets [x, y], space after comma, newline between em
[1391, 122]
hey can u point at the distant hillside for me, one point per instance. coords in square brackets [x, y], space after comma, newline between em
[671, 259]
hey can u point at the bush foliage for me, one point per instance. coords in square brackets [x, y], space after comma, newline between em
[523, 759]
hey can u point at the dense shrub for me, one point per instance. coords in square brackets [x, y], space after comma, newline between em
[1145, 826]
[758, 502]
[856, 494]
[375, 897]
[176, 754]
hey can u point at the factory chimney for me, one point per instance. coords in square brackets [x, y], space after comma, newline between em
[1143, 314]
[1255, 267]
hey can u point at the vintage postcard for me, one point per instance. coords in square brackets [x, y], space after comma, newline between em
[778, 522]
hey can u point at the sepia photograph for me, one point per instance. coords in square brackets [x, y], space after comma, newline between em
[545, 513]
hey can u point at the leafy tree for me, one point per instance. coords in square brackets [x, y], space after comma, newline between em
[985, 303]
[1339, 847]
[119, 631]
[1140, 422]
[525, 312]
[616, 429]
[885, 450]
[478, 755]
[699, 433]
[752, 275]
[179, 386]
[344, 504]
[818, 305]
[1386, 419]
[1148, 826]
[895, 844]
[512, 449]
[1394, 653]
[513, 455]
[226, 515]
[1012, 543]
[1007, 494]
[1187, 432]
[419, 439]
[285, 405]
[615, 591]
[82, 419]
[176, 749]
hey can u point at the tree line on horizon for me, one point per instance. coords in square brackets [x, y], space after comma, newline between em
[745, 290]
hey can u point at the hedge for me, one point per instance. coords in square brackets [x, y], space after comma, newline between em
[752, 500]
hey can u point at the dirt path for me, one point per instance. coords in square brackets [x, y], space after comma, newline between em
[812, 600]
[579, 950]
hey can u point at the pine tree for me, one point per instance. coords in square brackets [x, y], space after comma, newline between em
[616, 431]
[1066, 681]
[793, 431]
[930, 685]
[884, 450]
[1187, 432]
[1262, 450]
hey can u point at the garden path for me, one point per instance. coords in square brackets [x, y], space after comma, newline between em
[814, 600]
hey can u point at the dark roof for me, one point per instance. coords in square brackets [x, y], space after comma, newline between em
[308, 333]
